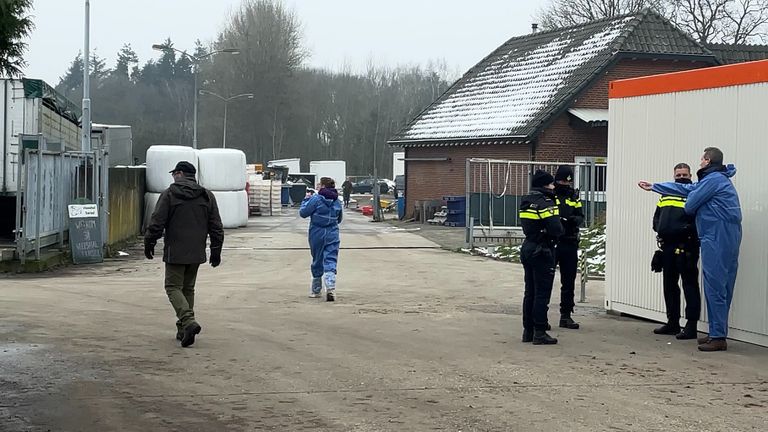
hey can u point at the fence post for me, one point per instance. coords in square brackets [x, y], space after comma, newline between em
[584, 273]
[38, 210]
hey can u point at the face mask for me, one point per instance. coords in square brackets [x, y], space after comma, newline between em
[683, 180]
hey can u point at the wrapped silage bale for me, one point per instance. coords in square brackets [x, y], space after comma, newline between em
[161, 159]
[222, 169]
[233, 208]
[150, 202]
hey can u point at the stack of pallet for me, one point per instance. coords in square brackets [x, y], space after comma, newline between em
[275, 197]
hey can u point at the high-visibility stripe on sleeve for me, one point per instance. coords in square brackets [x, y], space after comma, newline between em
[573, 203]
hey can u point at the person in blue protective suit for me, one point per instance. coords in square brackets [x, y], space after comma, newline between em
[325, 212]
[714, 201]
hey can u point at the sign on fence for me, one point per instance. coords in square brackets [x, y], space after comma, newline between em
[85, 233]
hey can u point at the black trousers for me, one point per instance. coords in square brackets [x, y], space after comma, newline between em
[681, 262]
[567, 257]
[539, 264]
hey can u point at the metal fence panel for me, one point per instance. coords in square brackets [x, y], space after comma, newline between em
[48, 182]
[496, 187]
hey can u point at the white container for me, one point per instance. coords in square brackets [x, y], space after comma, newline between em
[337, 170]
[150, 202]
[294, 165]
[398, 164]
[222, 169]
[233, 208]
[657, 122]
[161, 159]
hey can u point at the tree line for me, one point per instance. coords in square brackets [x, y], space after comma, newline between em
[296, 111]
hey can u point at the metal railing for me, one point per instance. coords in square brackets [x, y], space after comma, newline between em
[48, 182]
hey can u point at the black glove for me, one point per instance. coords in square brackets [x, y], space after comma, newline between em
[149, 250]
[215, 257]
[657, 262]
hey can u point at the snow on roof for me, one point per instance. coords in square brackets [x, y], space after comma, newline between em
[513, 90]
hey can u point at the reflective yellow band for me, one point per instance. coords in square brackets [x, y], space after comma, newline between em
[677, 204]
[539, 214]
[574, 204]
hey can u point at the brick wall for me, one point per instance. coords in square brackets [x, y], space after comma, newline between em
[561, 143]
[427, 180]
[558, 143]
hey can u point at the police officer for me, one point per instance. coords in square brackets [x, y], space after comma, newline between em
[679, 242]
[567, 251]
[539, 217]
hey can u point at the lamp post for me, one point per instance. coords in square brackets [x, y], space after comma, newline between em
[196, 62]
[85, 138]
[226, 101]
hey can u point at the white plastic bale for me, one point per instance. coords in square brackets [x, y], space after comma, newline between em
[233, 208]
[222, 169]
[150, 202]
[161, 159]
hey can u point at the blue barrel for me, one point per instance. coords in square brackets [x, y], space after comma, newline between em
[285, 195]
[401, 207]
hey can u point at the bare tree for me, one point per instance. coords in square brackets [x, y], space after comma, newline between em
[707, 21]
[564, 13]
[746, 21]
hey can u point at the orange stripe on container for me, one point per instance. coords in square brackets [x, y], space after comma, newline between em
[698, 79]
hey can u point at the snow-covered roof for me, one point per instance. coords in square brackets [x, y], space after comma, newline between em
[513, 91]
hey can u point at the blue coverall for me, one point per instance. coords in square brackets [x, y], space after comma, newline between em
[325, 216]
[714, 201]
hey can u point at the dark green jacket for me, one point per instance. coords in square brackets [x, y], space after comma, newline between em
[187, 214]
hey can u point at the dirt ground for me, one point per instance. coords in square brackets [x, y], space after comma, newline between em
[420, 339]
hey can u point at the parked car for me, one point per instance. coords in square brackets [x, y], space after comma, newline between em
[365, 186]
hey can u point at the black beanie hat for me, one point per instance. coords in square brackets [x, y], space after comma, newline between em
[541, 179]
[564, 172]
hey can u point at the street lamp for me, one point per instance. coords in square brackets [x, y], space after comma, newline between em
[196, 62]
[226, 101]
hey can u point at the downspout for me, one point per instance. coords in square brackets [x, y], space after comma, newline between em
[5, 136]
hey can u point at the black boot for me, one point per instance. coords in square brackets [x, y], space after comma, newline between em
[688, 332]
[527, 335]
[567, 322]
[190, 332]
[668, 329]
[540, 337]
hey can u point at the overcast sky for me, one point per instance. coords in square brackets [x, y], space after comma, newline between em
[337, 32]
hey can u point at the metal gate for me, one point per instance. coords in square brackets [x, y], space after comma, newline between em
[48, 182]
[495, 188]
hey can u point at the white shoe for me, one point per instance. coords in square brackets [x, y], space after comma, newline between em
[313, 295]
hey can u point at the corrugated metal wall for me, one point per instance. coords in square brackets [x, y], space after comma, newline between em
[647, 136]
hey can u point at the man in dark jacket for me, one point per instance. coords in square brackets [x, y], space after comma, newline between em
[539, 217]
[567, 252]
[679, 242]
[188, 214]
[346, 190]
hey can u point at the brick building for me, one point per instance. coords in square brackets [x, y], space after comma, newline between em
[542, 97]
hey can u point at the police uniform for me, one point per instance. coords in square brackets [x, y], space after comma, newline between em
[567, 252]
[679, 244]
[540, 220]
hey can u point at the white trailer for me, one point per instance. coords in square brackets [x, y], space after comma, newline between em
[336, 170]
[294, 164]
[657, 122]
[33, 107]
